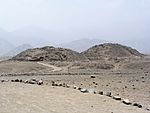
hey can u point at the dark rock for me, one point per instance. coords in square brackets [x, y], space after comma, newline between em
[60, 84]
[148, 109]
[92, 76]
[2, 80]
[67, 86]
[100, 92]
[26, 81]
[108, 94]
[127, 102]
[135, 104]
[117, 98]
[84, 90]
[32, 82]
[64, 85]
[79, 88]
[17, 80]
[140, 106]
[74, 87]
[40, 82]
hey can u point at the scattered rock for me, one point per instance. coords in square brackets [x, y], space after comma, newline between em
[140, 106]
[108, 94]
[33, 79]
[40, 82]
[60, 84]
[26, 81]
[67, 86]
[135, 104]
[2, 80]
[127, 102]
[74, 87]
[79, 88]
[83, 90]
[55, 84]
[32, 82]
[17, 80]
[90, 90]
[117, 98]
[148, 108]
[64, 85]
[92, 76]
[100, 92]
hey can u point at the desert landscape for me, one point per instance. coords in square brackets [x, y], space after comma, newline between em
[106, 78]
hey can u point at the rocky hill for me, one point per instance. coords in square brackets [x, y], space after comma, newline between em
[49, 54]
[109, 50]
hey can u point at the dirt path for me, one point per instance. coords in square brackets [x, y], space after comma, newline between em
[50, 66]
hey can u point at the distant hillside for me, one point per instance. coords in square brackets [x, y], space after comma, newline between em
[110, 50]
[49, 54]
[5, 46]
[17, 50]
[82, 44]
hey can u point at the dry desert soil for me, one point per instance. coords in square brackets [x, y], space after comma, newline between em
[57, 80]
[129, 81]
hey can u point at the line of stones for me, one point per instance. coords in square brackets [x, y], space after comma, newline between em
[108, 94]
[83, 90]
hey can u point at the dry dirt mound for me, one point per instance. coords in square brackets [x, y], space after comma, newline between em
[109, 50]
[49, 54]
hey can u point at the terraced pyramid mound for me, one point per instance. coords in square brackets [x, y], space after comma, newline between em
[49, 53]
[109, 50]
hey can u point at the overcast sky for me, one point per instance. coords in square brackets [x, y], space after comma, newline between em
[74, 19]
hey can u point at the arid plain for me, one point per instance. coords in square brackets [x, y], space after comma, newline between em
[127, 77]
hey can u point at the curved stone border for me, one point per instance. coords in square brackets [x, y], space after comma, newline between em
[83, 90]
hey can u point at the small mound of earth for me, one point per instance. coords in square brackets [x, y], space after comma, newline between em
[109, 50]
[49, 53]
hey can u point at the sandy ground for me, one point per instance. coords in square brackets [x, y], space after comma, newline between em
[24, 98]
[131, 81]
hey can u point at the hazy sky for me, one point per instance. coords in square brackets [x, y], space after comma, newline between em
[75, 19]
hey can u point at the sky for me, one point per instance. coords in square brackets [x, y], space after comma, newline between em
[59, 21]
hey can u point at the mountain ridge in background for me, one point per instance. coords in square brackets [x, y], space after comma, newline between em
[81, 44]
[39, 37]
[17, 50]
